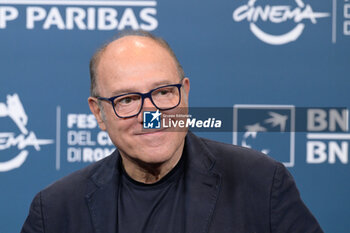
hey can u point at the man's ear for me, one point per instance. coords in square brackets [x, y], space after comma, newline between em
[96, 110]
[186, 85]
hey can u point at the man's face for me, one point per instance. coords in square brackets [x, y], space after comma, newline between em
[138, 64]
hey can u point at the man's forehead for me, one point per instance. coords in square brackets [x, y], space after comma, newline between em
[130, 44]
[125, 57]
[134, 50]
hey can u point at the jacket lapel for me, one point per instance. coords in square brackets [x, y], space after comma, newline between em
[202, 186]
[101, 195]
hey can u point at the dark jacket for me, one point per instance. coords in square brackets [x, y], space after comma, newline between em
[228, 189]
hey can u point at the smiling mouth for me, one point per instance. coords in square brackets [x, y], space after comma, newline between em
[151, 131]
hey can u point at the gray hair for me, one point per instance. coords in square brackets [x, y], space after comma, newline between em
[97, 56]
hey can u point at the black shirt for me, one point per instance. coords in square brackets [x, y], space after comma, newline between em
[152, 208]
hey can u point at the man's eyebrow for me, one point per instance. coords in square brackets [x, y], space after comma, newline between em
[162, 83]
[123, 91]
[132, 90]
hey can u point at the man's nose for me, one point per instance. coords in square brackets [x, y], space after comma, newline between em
[147, 106]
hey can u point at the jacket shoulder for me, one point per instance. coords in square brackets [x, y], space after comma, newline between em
[75, 183]
[238, 156]
[62, 207]
[242, 166]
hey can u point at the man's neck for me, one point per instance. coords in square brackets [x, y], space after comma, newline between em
[149, 173]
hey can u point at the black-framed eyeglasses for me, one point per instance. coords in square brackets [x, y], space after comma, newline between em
[130, 104]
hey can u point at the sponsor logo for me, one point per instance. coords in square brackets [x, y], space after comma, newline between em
[178, 121]
[271, 130]
[79, 15]
[83, 141]
[268, 128]
[13, 109]
[346, 14]
[151, 119]
[277, 14]
[328, 136]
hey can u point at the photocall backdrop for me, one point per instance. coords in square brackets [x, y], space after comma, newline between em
[282, 67]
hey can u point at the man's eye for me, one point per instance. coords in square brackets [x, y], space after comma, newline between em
[164, 92]
[125, 100]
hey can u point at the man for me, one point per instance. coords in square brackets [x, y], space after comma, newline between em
[160, 180]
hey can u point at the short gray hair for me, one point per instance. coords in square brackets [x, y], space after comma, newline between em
[97, 56]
